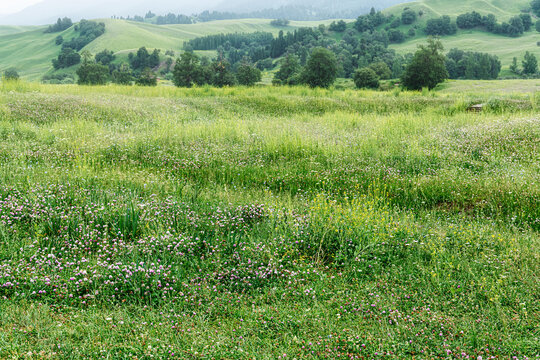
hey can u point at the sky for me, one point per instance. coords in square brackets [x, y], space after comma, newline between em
[13, 6]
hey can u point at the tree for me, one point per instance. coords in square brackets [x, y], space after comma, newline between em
[321, 69]
[147, 78]
[408, 16]
[514, 67]
[530, 64]
[59, 40]
[105, 57]
[396, 36]
[339, 26]
[427, 67]
[248, 75]
[11, 74]
[366, 78]
[526, 19]
[381, 69]
[535, 6]
[289, 68]
[187, 70]
[67, 57]
[91, 73]
[538, 26]
[222, 75]
[123, 75]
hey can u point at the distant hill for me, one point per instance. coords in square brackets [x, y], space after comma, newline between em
[47, 11]
[502, 9]
[31, 51]
[472, 40]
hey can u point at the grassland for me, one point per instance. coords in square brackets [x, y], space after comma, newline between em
[267, 223]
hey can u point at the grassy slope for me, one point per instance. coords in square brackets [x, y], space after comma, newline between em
[31, 52]
[500, 8]
[504, 47]
[395, 223]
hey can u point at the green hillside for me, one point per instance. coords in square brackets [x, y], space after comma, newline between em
[31, 52]
[502, 9]
[472, 40]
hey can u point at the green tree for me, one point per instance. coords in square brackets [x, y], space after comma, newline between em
[321, 69]
[538, 26]
[59, 40]
[427, 67]
[514, 67]
[222, 75]
[530, 64]
[366, 78]
[91, 73]
[187, 70]
[289, 68]
[123, 75]
[147, 78]
[11, 74]
[381, 69]
[248, 75]
[408, 16]
[535, 6]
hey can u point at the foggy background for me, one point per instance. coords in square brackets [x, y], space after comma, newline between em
[39, 12]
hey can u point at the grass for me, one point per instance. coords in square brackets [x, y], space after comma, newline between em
[267, 223]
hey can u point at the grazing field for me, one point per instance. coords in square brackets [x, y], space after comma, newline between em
[267, 223]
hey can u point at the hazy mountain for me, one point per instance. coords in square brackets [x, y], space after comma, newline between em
[48, 11]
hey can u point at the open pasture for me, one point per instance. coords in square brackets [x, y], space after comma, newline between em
[267, 223]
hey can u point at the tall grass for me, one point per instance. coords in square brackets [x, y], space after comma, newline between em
[266, 223]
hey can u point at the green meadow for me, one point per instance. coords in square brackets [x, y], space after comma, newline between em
[269, 223]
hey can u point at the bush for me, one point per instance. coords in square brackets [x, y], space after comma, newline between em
[280, 22]
[11, 74]
[366, 78]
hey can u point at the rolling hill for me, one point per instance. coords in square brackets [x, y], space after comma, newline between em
[31, 51]
[472, 40]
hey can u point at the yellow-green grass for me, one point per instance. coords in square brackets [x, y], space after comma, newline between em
[245, 223]
[491, 86]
